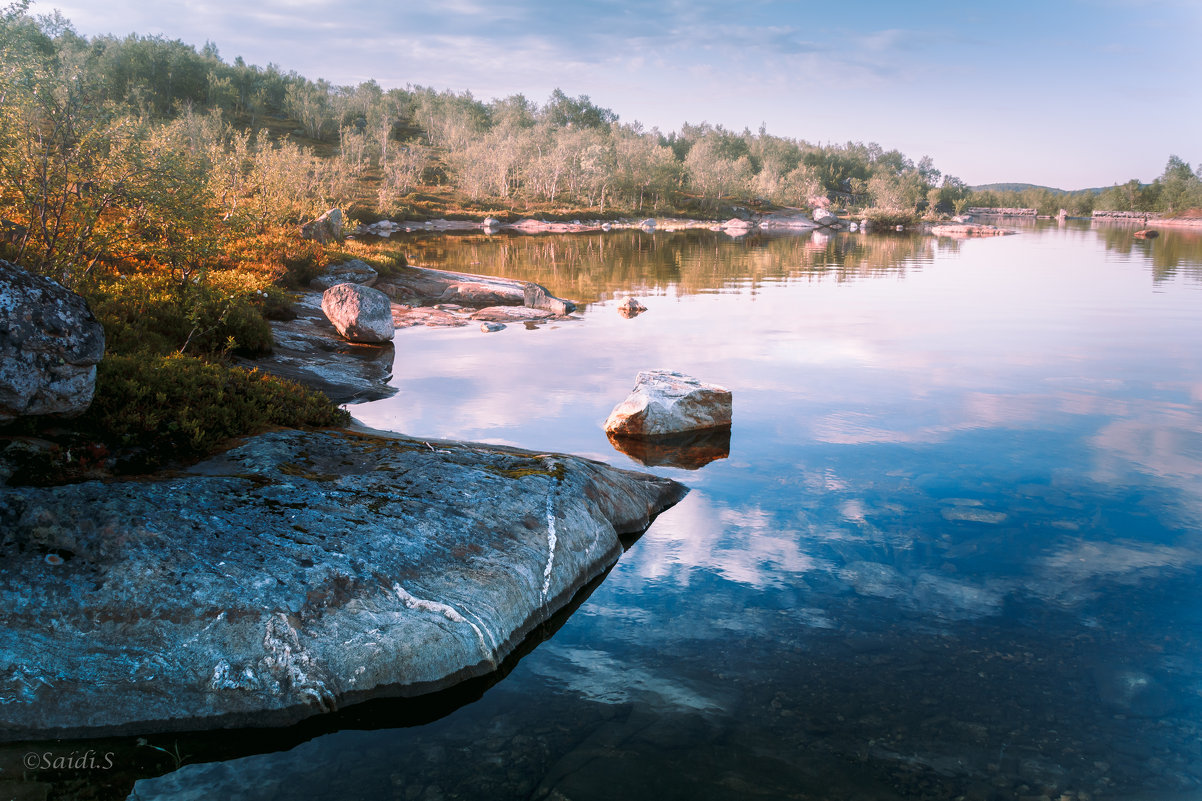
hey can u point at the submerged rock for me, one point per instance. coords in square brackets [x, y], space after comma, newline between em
[667, 402]
[50, 344]
[1146, 233]
[359, 313]
[296, 574]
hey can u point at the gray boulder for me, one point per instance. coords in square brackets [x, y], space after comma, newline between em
[354, 271]
[50, 344]
[359, 313]
[824, 217]
[326, 228]
[666, 402]
[299, 573]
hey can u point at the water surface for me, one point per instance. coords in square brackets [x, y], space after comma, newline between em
[953, 551]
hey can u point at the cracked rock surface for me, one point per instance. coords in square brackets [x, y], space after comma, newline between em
[295, 574]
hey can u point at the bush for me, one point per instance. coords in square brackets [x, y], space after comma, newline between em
[178, 406]
[158, 313]
[890, 218]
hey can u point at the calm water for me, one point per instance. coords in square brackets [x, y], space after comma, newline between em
[954, 550]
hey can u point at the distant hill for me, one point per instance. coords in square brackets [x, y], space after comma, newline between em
[1012, 188]
[1020, 187]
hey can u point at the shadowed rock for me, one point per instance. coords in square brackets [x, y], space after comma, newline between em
[354, 271]
[50, 344]
[325, 228]
[293, 575]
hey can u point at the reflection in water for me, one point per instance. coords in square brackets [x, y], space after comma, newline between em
[1166, 255]
[594, 266]
[691, 450]
[954, 554]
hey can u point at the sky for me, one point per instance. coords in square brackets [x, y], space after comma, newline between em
[1053, 92]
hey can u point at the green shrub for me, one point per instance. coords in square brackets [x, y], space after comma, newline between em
[890, 218]
[178, 406]
[158, 314]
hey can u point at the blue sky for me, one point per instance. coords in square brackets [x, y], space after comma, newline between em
[1062, 93]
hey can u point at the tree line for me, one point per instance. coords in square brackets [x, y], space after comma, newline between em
[138, 97]
[1178, 189]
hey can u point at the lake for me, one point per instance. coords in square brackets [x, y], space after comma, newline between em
[951, 549]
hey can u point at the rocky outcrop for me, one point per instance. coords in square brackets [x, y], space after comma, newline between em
[967, 230]
[358, 313]
[354, 271]
[50, 344]
[308, 350]
[536, 297]
[665, 402]
[442, 286]
[296, 574]
[326, 228]
[631, 308]
[1146, 233]
[511, 314]
[787, 220]
[1002, 212]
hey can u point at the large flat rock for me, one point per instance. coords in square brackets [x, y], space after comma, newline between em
[293, 575]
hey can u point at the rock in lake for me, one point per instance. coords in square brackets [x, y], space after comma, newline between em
[349, 272]
[325, 228]
[536, 297]
[666, 402]
[1146, 233]
[296, 574]
[631, 308]
[50, 344]
[359, 313]
[492, 328]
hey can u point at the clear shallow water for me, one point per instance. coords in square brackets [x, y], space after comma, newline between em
[954, 550]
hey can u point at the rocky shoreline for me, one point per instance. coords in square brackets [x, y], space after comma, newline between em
[303, 571]
[746, 221]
